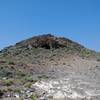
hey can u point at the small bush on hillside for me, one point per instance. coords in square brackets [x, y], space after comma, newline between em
[7, 82]
[28, 85]
[33, 97]
[1, 94]
[28, 78]
[43, 76]
[25, 79]
[9, 61]
[86, 53]
[98, 59]
[18, 90]
[20, 74]
[5, 72]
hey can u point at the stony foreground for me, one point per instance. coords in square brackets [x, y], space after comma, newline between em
[67, 89]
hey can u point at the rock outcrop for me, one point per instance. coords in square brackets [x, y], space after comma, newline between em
[49, 41]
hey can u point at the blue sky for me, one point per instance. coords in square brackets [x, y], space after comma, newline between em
[78, 20]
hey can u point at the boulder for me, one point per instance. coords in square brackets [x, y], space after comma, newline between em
[59, 96]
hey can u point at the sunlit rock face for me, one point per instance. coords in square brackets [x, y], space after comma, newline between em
[67, 89]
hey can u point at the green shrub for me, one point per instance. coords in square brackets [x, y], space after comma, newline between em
[7, 82]
[98, 59]
[11, 63]
[33, 97]
[28, 84]
[28, 78]
[5, 72]
[86, 53]
[43, 76]
[10, 89]
[1, 94]
[20, 74]
[17, 90]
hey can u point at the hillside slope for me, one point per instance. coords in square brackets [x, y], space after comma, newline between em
[47, 57]
[41, 51]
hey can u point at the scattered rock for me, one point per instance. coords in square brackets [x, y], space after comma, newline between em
[59, 96]
[63, 89]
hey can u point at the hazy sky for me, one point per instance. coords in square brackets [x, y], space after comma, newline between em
[76, 19]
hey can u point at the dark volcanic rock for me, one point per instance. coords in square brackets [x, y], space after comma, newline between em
[48, 41]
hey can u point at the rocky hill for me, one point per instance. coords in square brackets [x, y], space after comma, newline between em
[42, 61]
[47, 41]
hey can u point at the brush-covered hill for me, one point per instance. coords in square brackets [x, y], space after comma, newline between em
[47, 42]
[36, 53]
[45, 57]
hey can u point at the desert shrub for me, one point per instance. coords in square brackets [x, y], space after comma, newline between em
[33, 97]
[64, 63]
[5, 72]
[28, 84]
[20, 74]
[7, 82]
[98, 59]
[1, 94]
[43, 76]
[11, 63]
[18, 90]
[21, 98]
[29, 78]
[10, 89]
[86, 53]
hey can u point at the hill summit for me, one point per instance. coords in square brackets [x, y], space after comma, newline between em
[48, 41]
